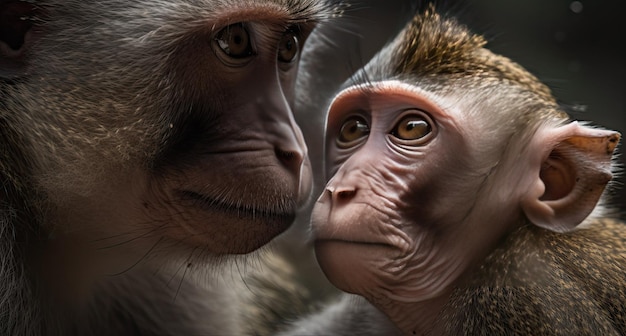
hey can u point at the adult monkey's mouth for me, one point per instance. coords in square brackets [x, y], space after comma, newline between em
[284, 211]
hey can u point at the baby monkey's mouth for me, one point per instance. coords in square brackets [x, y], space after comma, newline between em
[324, 241]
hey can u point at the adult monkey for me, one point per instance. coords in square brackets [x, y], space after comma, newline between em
[139, 142]
[463, 199]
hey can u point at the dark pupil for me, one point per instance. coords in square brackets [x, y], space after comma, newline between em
[424, 127]
[413, 124]
[237, 39]
[354, 128]
[289, 45]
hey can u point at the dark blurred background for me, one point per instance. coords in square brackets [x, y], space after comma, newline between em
[573, 46]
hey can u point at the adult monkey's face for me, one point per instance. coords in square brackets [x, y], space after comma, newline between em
[174, 129]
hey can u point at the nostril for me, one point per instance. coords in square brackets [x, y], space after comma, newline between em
[290, 159]
[346, 194]
[285, 155]
[342, 195]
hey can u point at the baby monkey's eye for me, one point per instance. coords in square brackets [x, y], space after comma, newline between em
[412, 127]
[353, 129]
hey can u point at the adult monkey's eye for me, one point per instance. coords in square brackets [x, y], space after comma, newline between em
[234, 41]
[288, 47]
[412, 127]
[354, 128]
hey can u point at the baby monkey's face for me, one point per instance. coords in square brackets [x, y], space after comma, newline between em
[390, 152]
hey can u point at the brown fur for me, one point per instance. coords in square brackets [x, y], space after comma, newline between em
[544, 283]
[435, 46]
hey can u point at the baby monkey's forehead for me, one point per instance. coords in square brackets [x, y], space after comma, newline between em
[369, 95]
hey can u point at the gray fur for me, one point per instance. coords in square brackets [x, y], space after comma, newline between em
[89, 109]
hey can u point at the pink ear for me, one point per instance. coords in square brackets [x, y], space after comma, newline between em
[574, 171]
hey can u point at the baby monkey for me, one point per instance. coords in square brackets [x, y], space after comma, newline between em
[463, 200]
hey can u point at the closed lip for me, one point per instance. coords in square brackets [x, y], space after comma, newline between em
[350, 241]
[279, 213]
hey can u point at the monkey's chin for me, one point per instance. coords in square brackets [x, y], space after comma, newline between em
[352, 266]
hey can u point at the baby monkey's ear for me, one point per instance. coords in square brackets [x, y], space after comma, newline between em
[571, 174]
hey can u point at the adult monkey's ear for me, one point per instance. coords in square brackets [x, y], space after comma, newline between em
[16, 27]
[572, 166]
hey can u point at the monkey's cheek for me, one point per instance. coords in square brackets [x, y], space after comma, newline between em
[351, 266]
